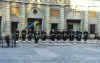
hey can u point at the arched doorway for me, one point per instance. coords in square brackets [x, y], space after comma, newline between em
[14, 26]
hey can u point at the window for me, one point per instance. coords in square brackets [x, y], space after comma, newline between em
[15, 11]
[92, 14]
[92, 28]
[74, 12]
[54, 12]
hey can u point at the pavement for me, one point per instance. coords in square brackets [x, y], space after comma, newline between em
[28, 52]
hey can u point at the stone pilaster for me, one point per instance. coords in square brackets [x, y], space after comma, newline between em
[22, 17]
[47, 18]
[82, 21]
[98, 28]
[98, 23]
[61, 21]
[86, 21]
[7, 18]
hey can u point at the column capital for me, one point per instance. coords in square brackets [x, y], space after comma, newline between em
[47, 17]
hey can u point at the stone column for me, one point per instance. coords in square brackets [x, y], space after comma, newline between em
[61, 21]
[98, 23]
[98, 28]
[47, 18]
[85, 20]
[3, 20]
[82, 21]
[7, 18]
[22, 22]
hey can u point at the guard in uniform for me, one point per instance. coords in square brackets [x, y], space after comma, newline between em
[76, 35]
[55, 32]
[79, 36]
[52, 35]
[36, 37]
[43, 35]
[58, 35]
[64, 35]
[23, 35]
[85, 36]
[30, 34]
[71, 36]
[68, 34]
[61, 35]
[17, 35]
[7, 38]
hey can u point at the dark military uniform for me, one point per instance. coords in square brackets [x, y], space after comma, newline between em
[76, 34]
[52, 35]
[43, 35]
[79, 36]
[36, 37]
[71, 35]
[7, 40]
[17, 35]
[23, 35]
[64, 35]
[58, 35]
[68, 34]
[85, 36]
[30, 35]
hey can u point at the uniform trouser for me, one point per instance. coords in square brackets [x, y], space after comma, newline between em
[58, 37]
[14, 42]
[29, 38]
[1, 43]
[71, 38]
[8, 43]
[85, 38]
[17, 37]
[23, 38]
[64, 38]
[43, 38]
[36, 38]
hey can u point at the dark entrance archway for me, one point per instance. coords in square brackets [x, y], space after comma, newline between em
[73, 24]
[14, 26]
[54, 26]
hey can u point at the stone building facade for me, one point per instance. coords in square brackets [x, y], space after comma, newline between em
[16, 14]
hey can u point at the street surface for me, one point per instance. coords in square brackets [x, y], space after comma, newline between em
[28, 52]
